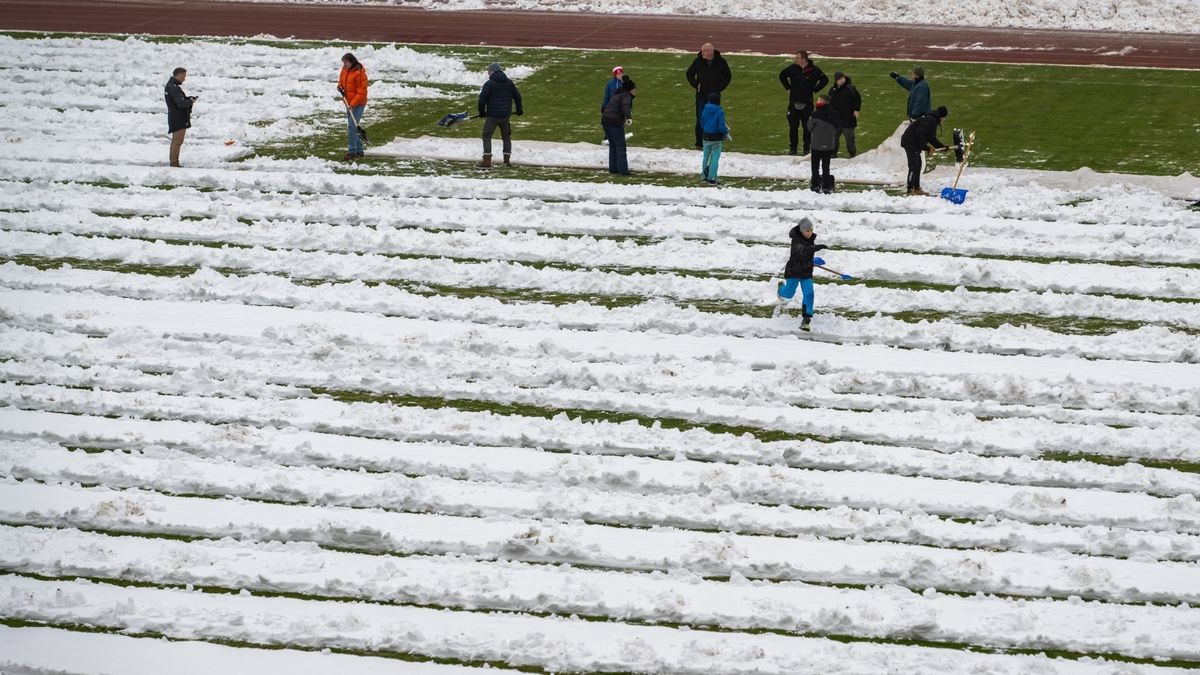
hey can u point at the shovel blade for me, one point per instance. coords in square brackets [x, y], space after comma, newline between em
[954, 195]
[452, 119]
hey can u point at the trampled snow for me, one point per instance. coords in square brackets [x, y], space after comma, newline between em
[267, 416]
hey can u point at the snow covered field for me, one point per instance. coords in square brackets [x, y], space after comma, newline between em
[1157, 16]
[484, 424]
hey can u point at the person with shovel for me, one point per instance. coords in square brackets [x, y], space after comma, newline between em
[179, 112]
[799, 271]
[918, 138]
[352, 87]
[498, 101]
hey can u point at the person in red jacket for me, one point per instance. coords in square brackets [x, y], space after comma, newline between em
[352, 86]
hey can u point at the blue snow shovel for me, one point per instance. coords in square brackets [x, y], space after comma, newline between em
[844, 277]
[454, 118]
[953, 194]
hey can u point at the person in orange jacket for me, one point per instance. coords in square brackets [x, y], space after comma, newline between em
[352, 86]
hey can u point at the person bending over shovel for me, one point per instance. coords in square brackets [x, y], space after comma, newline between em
[921, 136]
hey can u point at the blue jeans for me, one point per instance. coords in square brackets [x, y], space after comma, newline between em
[710, 159]
[353, 142]
[617, 160]
[788, 291]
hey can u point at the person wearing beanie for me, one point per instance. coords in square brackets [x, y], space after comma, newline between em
[823, 127]
[715, 131]
[846, 104]
[497, 100]
[708, 74]
[617, 115]
[919, 138]
[919, 97]
[802, 79]
[799, 271]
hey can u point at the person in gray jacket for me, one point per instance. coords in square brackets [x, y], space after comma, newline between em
[179, 112]
[824, 128]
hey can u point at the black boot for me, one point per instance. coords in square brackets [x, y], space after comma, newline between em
[805, 324]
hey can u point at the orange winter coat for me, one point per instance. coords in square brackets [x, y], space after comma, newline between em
[355, 84]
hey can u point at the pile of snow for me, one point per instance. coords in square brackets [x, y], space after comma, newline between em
[1156, 16]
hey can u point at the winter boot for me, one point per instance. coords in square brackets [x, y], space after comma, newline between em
[814, 184]
[486, 163]
[805, 324]
[507, 159]
[918, 192]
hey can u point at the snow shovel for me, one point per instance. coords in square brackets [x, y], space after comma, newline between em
[954, 194]
[362, 133]
[844, 277]
[454, 118]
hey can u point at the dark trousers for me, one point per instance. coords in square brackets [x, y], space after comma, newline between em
[798, 119]
[617, 160]
[848, 132]
[489, 128]
[820, 167]
[701, 101]
[914, 168]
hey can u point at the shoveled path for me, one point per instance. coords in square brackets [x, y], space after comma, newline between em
[600, 31]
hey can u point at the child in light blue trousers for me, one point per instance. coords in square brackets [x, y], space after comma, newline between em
[712, 124]
[799, 270]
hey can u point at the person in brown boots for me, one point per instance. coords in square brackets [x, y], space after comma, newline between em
[921, 137]
[498, 100]
[179, 112]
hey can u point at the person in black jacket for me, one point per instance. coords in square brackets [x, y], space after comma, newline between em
[179, 112]
[708, 74]
[799, 270]
[846, 104]
[617, 115]
[497, 100]
[919, 137]
[802, 79]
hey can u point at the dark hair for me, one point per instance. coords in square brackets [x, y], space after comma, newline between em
[351, 58]
[714, 97]
[803, 53]
[178, 71]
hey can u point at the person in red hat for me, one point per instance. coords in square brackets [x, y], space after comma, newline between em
[613, 85]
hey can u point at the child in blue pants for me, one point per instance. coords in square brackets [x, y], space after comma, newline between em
[712, 124]
[799, 270]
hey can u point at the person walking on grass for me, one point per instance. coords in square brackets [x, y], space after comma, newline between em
[823, 127]
[715, 131]
[498, 101]
[798, 272]
[846, 102]
[179, 112]
[802, 80]
[921, 137]
[709, 74]
[352, 87]
[617, 115]
[920, 100]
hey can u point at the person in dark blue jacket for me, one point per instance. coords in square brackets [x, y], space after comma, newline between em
[920, 99]
[497, 101]
[617, 115]
[715, 131]
[799, 270]
[179, 112]
[614, 83]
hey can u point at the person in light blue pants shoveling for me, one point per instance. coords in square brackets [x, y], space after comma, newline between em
[799, 271]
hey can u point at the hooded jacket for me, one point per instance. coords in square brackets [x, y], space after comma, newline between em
[712, 122]
[711, 77]
[619, 109]
[498, 97]
[922, 132]
[354, 82]
[803, 83]
[920, 100]
[845, 101]
[800, 261]
[824, 128]
[179, 107]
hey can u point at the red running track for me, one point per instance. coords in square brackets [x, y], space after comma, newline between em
[374, 23]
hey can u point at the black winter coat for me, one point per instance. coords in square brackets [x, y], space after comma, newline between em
[800, 262]
[922, 132]
[179, 107]
[802, 83]
[619, 109]
[710, 76]
[498, 97]
[845, 101]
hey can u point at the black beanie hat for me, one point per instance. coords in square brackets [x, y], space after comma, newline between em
[715, 97]
[943, 111]
[626, 83]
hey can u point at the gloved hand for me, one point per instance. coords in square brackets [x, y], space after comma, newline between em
[519, 112]
[341, 90]
[893, 74]
[818, 261]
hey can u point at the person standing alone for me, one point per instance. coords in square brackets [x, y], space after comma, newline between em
[709, 74]
[352, 85]
[802, 79]
[920, 99]
[498, 101]
[179, 112]
[617, 115]
[846, 103]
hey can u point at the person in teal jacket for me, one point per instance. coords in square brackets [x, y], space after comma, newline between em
[715, 131]
[920, 100]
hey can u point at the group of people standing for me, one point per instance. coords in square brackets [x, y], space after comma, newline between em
[818, 123]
